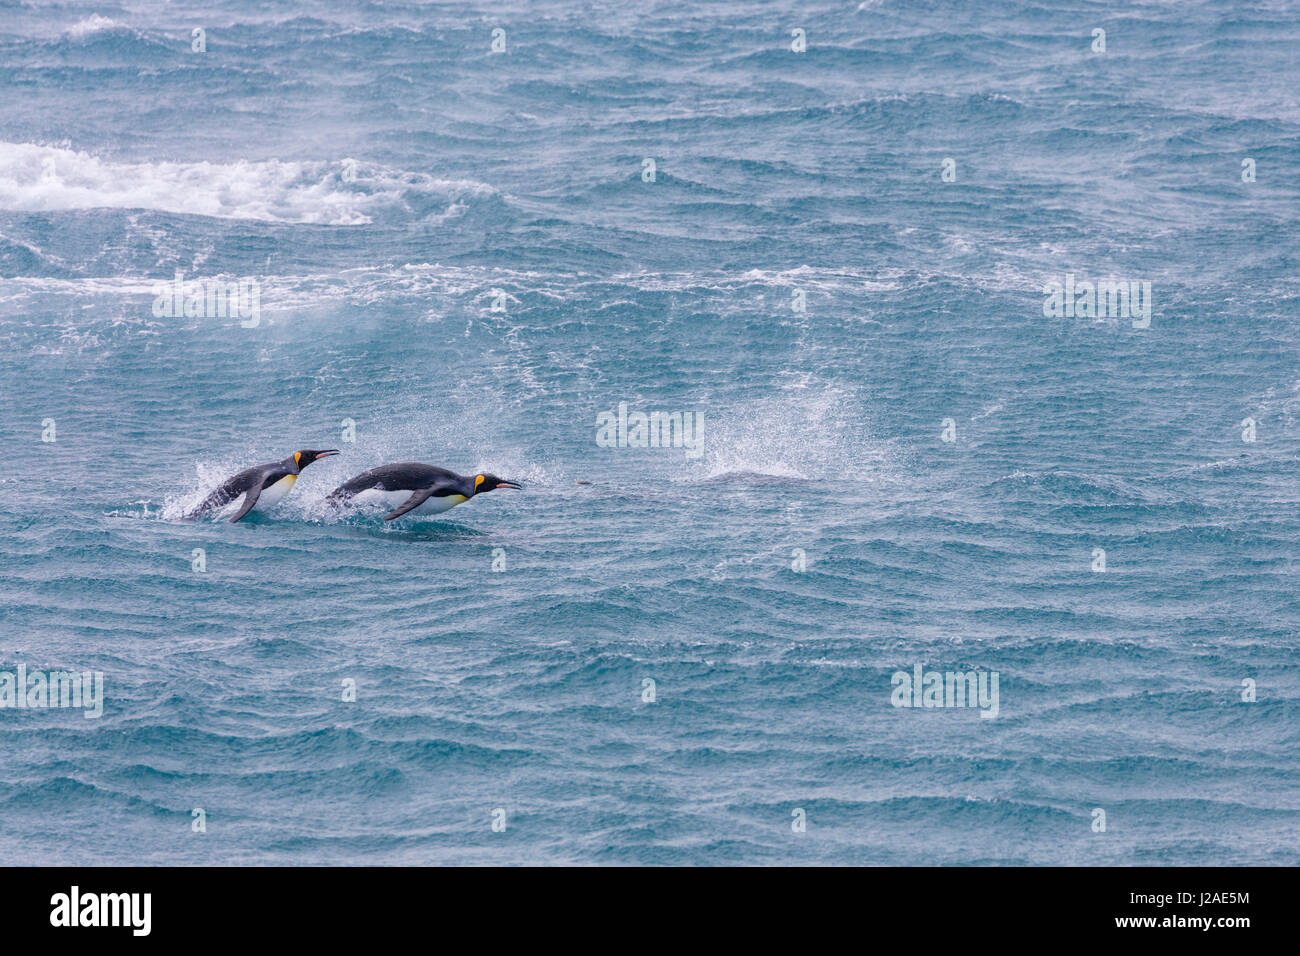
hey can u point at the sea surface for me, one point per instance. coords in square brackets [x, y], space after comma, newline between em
[653, 655]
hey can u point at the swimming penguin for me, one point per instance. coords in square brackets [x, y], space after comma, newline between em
[411, 486]
[261, 484]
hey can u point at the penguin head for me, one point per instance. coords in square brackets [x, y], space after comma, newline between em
[484, 483]
[305, 457]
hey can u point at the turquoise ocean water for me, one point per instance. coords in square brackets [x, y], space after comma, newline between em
[462, 257]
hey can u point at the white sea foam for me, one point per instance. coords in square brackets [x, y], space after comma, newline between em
[91, 24]
[49, 179]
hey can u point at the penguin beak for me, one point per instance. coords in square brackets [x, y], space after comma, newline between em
[326, 453]
[514, 485]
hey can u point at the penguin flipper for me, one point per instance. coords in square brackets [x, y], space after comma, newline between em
[418, 498]
[250, 499]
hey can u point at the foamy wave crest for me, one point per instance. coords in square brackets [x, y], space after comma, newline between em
[345, 193]
[91, 24]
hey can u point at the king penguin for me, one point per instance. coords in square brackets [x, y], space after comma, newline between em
[261, 484]
[411, 486]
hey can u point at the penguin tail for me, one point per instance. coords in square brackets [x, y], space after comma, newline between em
[215, 500]
[339, 498]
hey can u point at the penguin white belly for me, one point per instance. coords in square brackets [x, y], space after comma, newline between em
[272, 494]
[433, 506]
[395, 499]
